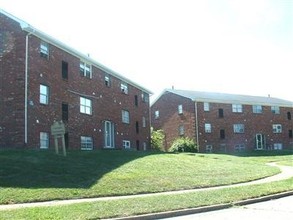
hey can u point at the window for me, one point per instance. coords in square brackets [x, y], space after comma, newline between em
[125, 116]
[86, 143]
[136, 100]
[221, 113]
[275, 109]
[236, 108]
[238, 128]
[209, 148]
[278, 146]
[207, 128]
[85, 69]
[277, 128]
[64, 112]
[124, 88]
[137, 127]
[44, 94]
[143, 122]
[44, 140]
[64, 70]
[107, 81]
[180, 109]
[222, 134]
[157, 114]
[44, 49]
[126, 144]
[181, 129]
[290, 133]
[85, 106]
[145, 97]
[206, 106]
[289, 115]
[239, 147]
[137, 144]
[257, 109]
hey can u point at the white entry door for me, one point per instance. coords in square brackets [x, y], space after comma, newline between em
[109, 134]
[259, 141]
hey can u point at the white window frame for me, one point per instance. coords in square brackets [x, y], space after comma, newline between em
[257, 109]
[125, 116]
[107, 81]
[275, 110]
[143, 122]
[238, 128]
[44, 49]
[85, 69]
[277, 128]
[237, 108]
[206, 106]
[44, 140]
[208, 128]
[209, 148]
[85, 105]
[126, 144]
[145, 97]
[180, 109]
[278, 146]
[86, 143]
[124, 87]
[44, 94]
[181, 130]
[157, 114]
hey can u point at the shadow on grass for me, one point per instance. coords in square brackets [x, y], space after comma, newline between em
[45, 169]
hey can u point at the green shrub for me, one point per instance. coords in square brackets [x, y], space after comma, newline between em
[157, 140]
[183, 145]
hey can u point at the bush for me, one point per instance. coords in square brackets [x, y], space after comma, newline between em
[183, 145]
[157, 140]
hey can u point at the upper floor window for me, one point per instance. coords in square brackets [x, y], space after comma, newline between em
[157, 114]
[289, 115]
[290, 132]
[136, 100]
[86, 143]
[85, 69]
[44, 94]
[222, 134]
[64, 112]
[275, 109]
[206, 106]
[277, 128]
[85, 106]
[145, 97]
[236, 108]
[124, 88]
[64, 70]
[180, 109]
[137, 127]
[125, 116]
[143, 122]
[257, 109]
[221, 113]
[207, 128]
[107, 81]
[238, 128]
[44, 49]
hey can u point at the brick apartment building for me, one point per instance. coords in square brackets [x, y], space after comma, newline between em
[43, 80]
[224, 122]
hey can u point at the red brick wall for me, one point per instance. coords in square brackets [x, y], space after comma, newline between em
[107, 102]
[169, 121]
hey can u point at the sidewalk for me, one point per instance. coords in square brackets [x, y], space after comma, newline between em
[286, 172]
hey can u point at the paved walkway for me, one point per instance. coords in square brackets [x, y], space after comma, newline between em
[286, 172]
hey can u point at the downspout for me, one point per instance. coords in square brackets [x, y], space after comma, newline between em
[26, 89]
[196, 125]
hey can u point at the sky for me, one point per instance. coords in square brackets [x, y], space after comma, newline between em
[228, 46]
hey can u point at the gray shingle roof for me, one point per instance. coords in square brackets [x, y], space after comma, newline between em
[230, 98]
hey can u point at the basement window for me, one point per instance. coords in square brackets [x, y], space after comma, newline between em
[86, 143]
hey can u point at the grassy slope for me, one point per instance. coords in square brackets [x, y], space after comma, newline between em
[27, 176]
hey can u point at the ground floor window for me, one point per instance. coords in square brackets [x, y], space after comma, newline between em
[278, 146]
[209, 148]
[86, 143]
[44, 140]
[126, 144]
[239, 147]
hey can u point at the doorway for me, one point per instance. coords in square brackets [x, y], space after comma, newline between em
[260, 141]
[109, 134]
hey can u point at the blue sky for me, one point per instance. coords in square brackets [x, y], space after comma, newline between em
[230, 46]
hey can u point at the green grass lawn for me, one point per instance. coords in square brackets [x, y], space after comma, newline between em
[27, 176]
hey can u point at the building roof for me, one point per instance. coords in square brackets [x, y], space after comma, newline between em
[30, 29]
[213, 97]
